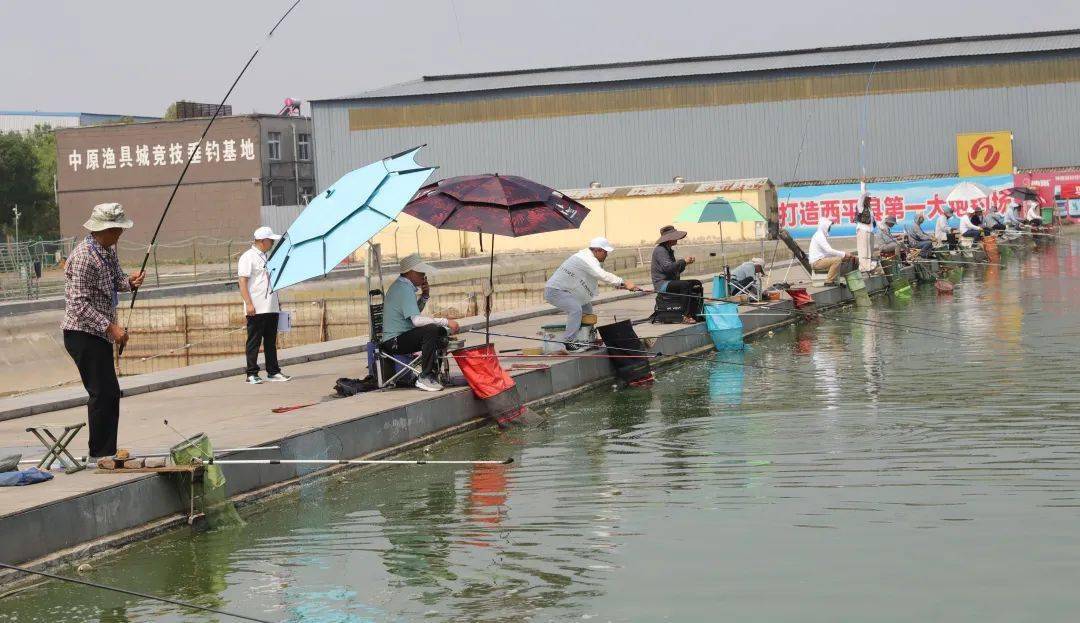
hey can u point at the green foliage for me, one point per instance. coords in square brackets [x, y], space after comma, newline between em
[27, 171]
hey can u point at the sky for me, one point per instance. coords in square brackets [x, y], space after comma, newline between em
[137, 56]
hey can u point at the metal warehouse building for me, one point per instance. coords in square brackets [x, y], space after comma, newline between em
[727, 116]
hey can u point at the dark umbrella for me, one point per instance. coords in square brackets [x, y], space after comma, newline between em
[1022, 193]
[506, 205]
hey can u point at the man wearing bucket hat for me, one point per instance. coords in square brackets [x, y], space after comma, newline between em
[887, 242]
[93, 280]
[405, 330]
[261, 307]
[666, 271]
[574, 284]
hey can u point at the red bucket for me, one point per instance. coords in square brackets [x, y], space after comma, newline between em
[490, 383]
[800, 296]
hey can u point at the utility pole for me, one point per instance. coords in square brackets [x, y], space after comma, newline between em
[17, 215]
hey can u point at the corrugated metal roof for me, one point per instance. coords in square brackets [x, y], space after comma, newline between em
[731, 64]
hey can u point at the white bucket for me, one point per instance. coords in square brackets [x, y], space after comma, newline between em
[553, 337]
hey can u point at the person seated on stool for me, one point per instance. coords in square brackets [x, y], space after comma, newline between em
[666, 271]
[406, 331]
[573, 286]
[918, 238]
[1033, 216]
[994, 221]
[822, 254]
[744, 276]
[970, 225]
[888, 244]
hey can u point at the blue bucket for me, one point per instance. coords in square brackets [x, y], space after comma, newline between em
[719, 287]
[724, 325]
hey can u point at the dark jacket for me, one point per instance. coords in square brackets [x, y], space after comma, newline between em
[664, 266]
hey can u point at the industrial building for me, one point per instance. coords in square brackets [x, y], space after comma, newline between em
[27, 120]
[247, 166]
[890, 109]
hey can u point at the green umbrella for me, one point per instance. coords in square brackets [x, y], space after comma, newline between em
[720, 211]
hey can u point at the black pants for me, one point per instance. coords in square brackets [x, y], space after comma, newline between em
[262, 329]
[93, 356]
[691, 287]
[429, 339]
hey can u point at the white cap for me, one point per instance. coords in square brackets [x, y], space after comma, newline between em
[265, 233]
[601, 242]
[414, 262]
[758, 261]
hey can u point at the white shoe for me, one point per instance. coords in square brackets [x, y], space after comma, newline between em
[279, 378]
[428, 384]
[253, 379]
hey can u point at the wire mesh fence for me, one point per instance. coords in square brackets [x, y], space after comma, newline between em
[170, 336]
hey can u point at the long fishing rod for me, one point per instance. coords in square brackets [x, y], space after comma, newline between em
[182, 604]
[191, 156]
[160, 454]
[505, 461]
[644, 354]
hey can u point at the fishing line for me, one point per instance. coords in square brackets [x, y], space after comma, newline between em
[134, 594]
[505, 461]
[191, 156]
[191, 345]
[160, 454]
[644, 354]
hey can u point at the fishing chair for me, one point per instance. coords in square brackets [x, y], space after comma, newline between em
[386, 368]
[751, 290]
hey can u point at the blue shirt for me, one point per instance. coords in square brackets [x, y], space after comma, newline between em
[399, 307]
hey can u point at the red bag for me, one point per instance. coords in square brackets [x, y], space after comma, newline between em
[490, 383]
[800, 296]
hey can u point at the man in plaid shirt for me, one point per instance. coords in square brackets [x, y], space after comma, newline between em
[94, 279]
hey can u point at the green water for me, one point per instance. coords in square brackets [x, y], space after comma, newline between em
[873, 473]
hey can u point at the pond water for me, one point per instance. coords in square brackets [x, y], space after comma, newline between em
[872, 473]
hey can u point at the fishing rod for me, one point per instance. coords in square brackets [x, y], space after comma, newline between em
[182, 604]
[160, 454]
[644, 354]
[191, 156]
[212, 461]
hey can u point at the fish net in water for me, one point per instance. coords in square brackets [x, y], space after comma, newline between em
[210, 496]
[724, 325]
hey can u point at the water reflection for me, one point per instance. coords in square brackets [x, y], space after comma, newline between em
[936, 475]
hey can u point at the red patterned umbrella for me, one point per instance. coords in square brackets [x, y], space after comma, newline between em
[506, 205]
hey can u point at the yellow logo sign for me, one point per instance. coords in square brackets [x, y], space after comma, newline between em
[984, 153]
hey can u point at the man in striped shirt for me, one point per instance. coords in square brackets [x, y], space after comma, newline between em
[94, 279]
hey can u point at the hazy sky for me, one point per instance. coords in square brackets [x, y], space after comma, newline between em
[137, 56]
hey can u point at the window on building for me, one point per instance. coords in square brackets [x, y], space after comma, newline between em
[273, 141]
[303, 146]
[277, 194]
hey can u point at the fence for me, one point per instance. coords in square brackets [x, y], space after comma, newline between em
[29, 270]
[161, 334]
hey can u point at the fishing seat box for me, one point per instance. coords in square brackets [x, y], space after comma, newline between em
[669, 309]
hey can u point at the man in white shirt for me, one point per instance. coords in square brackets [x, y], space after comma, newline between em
[261, 307]
[968, 228]
[574, 284]
[405, 330]
[822, 254]
[1033, 215]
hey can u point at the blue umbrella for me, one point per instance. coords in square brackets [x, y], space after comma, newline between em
[345, 216]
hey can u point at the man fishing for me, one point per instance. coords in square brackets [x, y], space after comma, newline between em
[942, 232]
[969, 228]
[1013, 216]
[918, 238]
[822, 254]
[744, 276]
[574, 285]
[994, 221]
[406, 331]
[93, 279]
[888, 243]
[666, 271]
[1033, 216]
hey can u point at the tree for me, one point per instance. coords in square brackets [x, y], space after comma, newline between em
[27, 171]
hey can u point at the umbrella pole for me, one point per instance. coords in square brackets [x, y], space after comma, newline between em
[487, 295]
[723, 253]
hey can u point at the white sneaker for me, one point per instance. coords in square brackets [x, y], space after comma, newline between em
[279, 378]
[428, 384]
[253, 379]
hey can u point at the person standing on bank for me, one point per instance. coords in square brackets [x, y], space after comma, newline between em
[666, 270]
[261, 307]
[574, 285]
[93, 280]
[406, 331]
